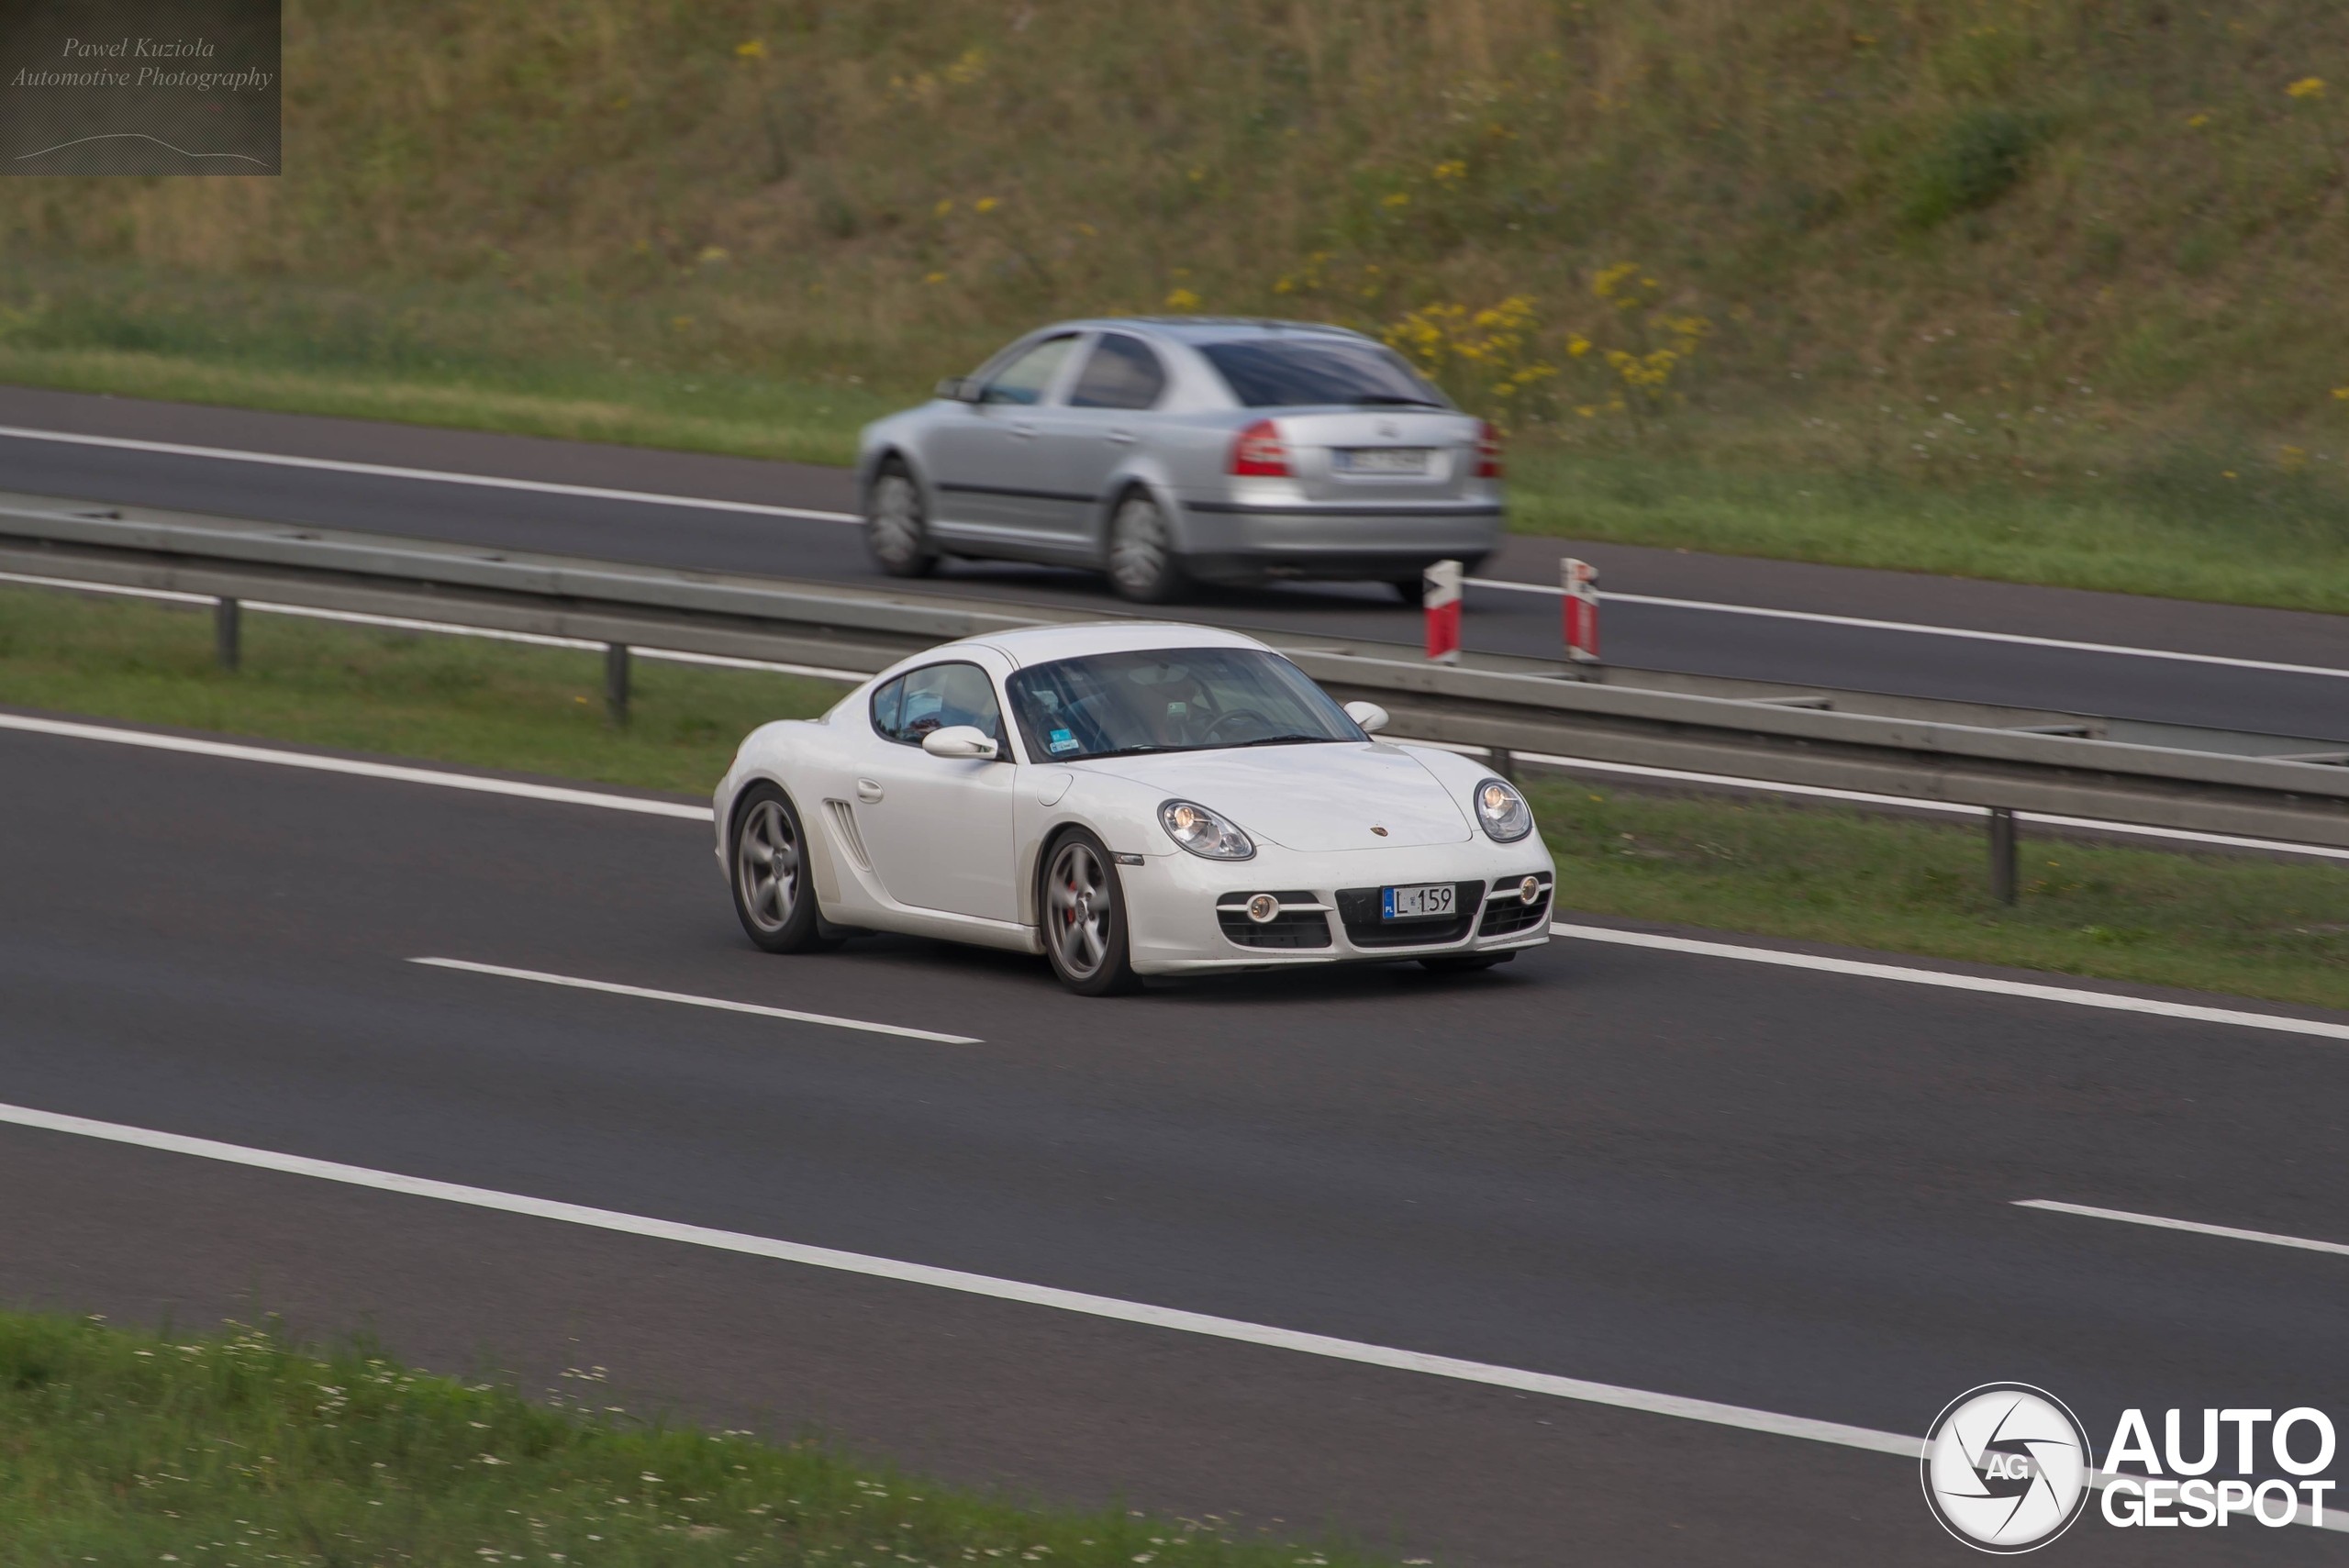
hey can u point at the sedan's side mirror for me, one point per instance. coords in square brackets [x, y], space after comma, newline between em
[960, 389]
[965, 741]
[1369, 715]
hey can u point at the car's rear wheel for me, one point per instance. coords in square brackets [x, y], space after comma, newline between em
[1143, 566]
[1083, 908]
[896, 528]
[773, 895]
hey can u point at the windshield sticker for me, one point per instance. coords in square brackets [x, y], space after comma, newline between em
[1064, 741]
[1178, 710]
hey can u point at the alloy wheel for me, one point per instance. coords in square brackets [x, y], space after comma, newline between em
[1078, 900]
[766, 865]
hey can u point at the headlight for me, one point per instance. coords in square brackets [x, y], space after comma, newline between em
[1202, 832]
[1502, 811]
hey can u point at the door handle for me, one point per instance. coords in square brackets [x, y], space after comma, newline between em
[1025, 432]
[1122, 438]
[868, 790]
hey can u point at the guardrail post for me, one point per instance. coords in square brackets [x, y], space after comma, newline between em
[2002, 854]
[1505, 762]
[616, 683]
[225, 628]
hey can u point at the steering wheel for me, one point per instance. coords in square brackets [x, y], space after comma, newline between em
[1234, 716]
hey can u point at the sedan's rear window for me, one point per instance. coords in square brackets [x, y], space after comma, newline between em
[1305, 372]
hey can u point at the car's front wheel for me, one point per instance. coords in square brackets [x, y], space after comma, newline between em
[1083, 908]
[896, 528]
[1143, 566]
[773, 895]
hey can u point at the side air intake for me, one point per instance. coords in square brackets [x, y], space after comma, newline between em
[845, 829]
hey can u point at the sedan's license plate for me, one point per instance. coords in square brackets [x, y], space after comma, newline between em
[1429, 900]
[1383, 459]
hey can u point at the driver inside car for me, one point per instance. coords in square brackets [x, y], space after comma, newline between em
[1173, 704]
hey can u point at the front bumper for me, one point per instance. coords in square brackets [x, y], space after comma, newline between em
[1231, 542]
[1174, 926]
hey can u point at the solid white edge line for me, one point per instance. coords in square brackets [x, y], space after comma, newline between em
[1236, 1330]
[1908, 977]
[234, 753]
[956, 1280]
[1948, 807]
[1866, 624]
[385, 470]
[688, 1000]
[2158, 1222]
[171, 594]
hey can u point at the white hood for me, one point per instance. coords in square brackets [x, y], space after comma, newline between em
[1313, 798]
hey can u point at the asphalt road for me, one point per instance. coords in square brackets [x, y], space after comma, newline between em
[1638, 635]
[1784, 1190]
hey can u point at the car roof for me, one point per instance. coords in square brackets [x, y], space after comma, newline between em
[1215, 328]
[1043, 644]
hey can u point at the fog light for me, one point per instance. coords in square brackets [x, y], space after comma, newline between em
[1262, 907]
[1530, 889]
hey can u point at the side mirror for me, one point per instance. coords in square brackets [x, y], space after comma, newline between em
[965, 741]
[1369, 715]
[960, 389]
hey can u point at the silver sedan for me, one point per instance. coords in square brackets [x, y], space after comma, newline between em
[1169, 451]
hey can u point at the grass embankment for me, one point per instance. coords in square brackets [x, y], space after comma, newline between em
[2028, 288]
[242, 1450]
[1815, 872]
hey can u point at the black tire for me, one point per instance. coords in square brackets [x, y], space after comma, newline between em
[1464, 962]
[1081, 905]
[766, 865]
[897, 524]
[1141, 562]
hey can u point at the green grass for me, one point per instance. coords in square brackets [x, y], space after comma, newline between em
[2209, 922]
[239, 1450]
[451, 699]
[1821, 874]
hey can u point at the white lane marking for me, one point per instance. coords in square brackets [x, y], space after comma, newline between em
[1922, 629]
[982, 1285]
[385, 470]
[1948, 807]
[1908, 977]
[235, 753]
[717, 1003]
[445, 628]
[2227, 1231]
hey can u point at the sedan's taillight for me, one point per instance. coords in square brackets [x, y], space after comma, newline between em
[1258, 451]
[1488, 453]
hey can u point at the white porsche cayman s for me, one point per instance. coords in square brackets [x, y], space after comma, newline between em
[1129, 800]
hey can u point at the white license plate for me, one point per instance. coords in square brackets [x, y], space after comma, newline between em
[1383, 459]
[1429, 900]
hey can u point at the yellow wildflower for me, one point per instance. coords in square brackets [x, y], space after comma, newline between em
[1182, 299]
[1397, 199]
[750, 49]
[985, 204]
[2195, 122]
[2307, 87]
[935, 278]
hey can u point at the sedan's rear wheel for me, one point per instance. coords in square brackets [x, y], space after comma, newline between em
[896, 530]
[1085, 918]
[1143, 566]
[769, 870]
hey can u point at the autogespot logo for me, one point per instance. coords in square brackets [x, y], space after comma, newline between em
[2006, 1467]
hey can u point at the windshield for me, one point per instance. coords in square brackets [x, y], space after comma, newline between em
[1186, 699]
[1293, 372]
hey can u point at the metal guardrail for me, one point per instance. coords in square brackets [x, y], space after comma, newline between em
[1913, 749]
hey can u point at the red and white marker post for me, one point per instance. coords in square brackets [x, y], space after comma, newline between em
[1440, 587]
[1580, 581]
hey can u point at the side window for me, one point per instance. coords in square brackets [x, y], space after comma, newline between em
[1026, 379]
[1122, 374]
[938, 697]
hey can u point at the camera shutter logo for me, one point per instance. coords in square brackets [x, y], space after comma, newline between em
[2006, 1467]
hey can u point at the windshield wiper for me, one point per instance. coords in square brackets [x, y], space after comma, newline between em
[1128, 751]
[1279, 741]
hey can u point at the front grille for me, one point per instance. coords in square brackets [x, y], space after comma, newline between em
[1289, 929]
[1358, 907]
[1504, 915]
